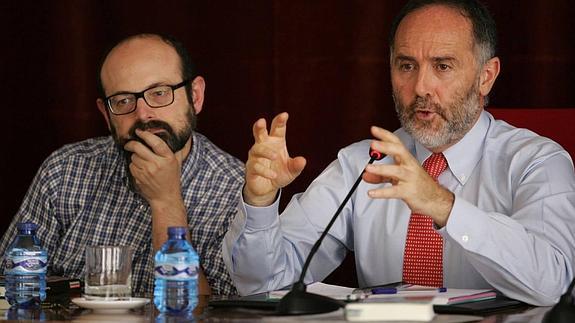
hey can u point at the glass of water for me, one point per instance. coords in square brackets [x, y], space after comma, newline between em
[108, 273]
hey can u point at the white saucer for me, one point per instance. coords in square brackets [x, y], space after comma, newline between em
[110, 306]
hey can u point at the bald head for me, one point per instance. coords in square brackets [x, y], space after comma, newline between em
[185, 65]
[483, 29]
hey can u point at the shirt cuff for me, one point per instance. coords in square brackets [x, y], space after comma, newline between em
[464, 225]
[261, 217]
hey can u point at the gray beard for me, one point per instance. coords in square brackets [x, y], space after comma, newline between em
[458, 118]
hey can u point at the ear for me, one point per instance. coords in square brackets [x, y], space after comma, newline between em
[104, 111]
[489, 72]
[198, 87]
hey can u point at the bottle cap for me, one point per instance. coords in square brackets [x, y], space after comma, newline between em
[178, 231]
[27, 226]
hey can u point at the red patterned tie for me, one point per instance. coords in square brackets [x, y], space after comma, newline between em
[423, 254]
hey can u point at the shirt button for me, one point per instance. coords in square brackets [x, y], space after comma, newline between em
[465, 238]
[142, 207]
[463, 177]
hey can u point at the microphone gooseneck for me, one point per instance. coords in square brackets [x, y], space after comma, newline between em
[298, 301]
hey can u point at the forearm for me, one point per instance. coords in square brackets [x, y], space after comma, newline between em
[527, 256]
[248, 252]
[203, 286]
[265, 252]
[167, 214]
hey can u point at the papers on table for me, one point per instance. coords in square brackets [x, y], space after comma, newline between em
[441, 296]
[333, 291]
[444, 296]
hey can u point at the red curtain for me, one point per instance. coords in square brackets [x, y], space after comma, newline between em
[323, 61]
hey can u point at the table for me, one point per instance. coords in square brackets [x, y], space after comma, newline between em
[203, 313]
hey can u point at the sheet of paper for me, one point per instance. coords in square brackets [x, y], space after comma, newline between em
[333, 291]
[350, 294]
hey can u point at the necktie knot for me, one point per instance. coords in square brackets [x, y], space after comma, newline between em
[435, 165]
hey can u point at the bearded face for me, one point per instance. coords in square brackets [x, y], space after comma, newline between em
[175, 139]
[451, 121]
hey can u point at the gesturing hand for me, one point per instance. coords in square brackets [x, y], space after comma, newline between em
[269, 166]
[410, 182]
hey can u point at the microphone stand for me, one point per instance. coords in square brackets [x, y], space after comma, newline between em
[298, 301]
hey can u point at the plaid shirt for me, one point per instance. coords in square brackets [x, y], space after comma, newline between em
[80, 197]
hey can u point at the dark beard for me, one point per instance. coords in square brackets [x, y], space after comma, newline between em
[176, 141]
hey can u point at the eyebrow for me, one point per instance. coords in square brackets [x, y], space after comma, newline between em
[153, 85]
[404, 58]
[435, 59]
[444, 58]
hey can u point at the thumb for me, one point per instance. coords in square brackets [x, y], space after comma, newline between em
[296, 165]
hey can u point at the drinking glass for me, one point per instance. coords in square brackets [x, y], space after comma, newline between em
[108, 274]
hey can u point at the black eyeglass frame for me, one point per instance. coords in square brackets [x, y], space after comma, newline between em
[140, 94]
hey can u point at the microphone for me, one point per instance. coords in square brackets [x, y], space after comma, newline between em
[298, 301]
[564, 311]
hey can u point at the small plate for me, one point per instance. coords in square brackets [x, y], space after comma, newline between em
[110, 306]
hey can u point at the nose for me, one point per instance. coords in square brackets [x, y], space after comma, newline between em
[143, 110]
[425, 82]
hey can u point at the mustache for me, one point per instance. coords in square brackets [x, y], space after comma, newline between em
[154, 124]
[426, 104]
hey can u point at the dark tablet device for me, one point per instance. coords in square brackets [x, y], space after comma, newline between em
[486, 307]
[258, 301]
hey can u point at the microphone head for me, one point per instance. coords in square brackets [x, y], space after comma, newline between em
[376, 155]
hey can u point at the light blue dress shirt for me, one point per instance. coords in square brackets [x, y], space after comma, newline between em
[512, 225]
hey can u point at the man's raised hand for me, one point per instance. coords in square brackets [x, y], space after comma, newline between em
[269, 166]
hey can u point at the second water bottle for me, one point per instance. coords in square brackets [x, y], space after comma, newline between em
[176, 274]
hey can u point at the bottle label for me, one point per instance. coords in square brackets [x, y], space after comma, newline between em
[26, 265]
[176, 272]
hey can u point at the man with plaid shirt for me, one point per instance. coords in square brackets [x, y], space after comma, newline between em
[153, 172]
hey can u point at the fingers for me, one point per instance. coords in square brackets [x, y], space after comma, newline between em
[279, 125]
[296, 165]
[384, 135]
[277, 129]
[260, 157]
[385, 172]
[259, 169]
[269, 166]
[391, 145]
[259, 130]
[389, 192]
[374, 179]
[262, 151]
[155, 143]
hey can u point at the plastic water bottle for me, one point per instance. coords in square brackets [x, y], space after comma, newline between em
[25, 271]
[176, 274]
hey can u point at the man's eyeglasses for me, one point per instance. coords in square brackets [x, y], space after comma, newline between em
[155, 97]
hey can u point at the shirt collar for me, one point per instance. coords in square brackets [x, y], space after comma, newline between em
[464, 155]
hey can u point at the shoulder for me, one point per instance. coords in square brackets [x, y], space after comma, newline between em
[89, 148]
[511, 143]
[93, 149]
[217, 160]
[519, 152]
